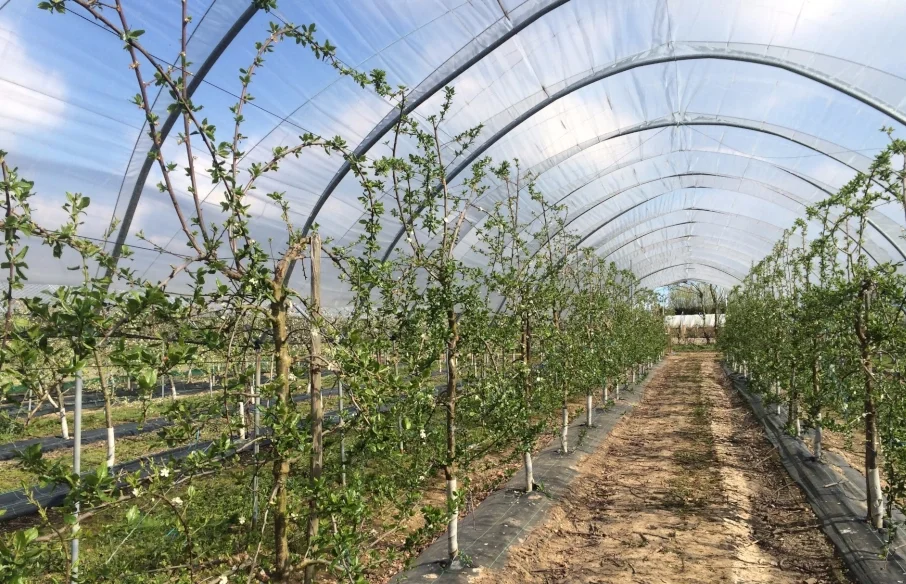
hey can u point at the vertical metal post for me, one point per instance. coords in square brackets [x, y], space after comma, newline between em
[317, 410]
[257, 422]
[342, 438]
[399, 417]
[77, 470]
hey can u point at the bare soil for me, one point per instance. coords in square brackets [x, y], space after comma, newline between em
[686, 489]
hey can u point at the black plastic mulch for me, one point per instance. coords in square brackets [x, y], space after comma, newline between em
[837, 499]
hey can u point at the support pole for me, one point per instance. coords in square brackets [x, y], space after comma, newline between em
[816, 444]
[317, 409]
[77, 470]
[342, 438]
[257, 429]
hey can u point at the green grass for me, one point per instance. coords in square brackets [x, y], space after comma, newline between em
[49, 424]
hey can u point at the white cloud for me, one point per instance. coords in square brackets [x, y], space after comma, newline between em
[31, 96]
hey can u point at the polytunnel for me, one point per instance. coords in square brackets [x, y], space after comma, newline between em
[336, 290]
[683, 136]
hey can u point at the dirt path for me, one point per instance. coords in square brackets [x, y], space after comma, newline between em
[686, 490]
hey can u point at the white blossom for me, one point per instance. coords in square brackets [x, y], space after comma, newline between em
[176, 501]
[165, 472]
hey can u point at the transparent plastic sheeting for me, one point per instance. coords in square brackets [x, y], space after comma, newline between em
[683, 136]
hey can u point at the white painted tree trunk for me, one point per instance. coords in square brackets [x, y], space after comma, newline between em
[797, 424]
[172, 387]
[64, 423]
[111, 448]
[606, 394]
[564, 432]
[452, 523]
[875, 498]
[242, 419]
[529, 472]
[816, 441]
[588, 410]
[616, 393]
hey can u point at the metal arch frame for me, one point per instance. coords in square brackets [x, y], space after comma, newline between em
[167, 126]
[703, 119]
[424, 95]
[782, 192]
[665, 255]
[611, 196]
[678, 124]
[768, 241]
[701, 264]
[671, 241]
[616, 216]
[680, 224]
[649, 218]
[630, 65]
[684, 280]
[575, 246]
[700, 210]
[609, 170]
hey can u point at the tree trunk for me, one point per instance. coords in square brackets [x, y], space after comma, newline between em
[64, 423]
[279, 307]
[589, 407]
[107, 392]
[564, 428]
[872, 471]
[450, 467]
[529, 471]
[242, 432]
[793, 408]
[526, 395]
[172, 387]
[816, 443]
[316, 412]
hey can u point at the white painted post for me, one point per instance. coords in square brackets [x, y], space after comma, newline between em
[64, 423]
[564, 431]
[242, 434]
[342, 439]
[77, 470]
[257, 429]
[816, 443]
